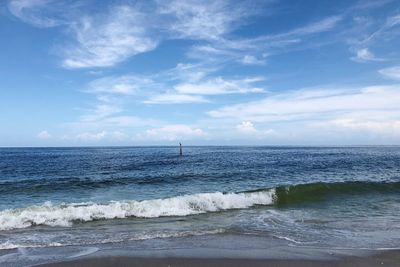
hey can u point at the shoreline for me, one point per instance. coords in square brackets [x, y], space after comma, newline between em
[214, 250]
[385, 258]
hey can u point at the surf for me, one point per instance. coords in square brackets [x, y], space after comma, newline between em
[64, 215]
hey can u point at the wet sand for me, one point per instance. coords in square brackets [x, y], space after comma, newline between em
[387, 258]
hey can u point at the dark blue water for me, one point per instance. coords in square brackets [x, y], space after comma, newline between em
[332, 197]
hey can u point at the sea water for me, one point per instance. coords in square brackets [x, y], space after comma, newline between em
[329, 197]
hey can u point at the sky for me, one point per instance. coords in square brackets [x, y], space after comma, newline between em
[272, 72]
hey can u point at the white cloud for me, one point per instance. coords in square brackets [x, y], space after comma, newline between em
[393, 20]
[101, 111]
[202, 19]
[191, 82]
[104, 41]
[380, 35]
[292, 36]
[323, 25]
[368, 115]
[44, 135]
[364, 55]
[173, 132]
[391, 73]
[379, 127]
[39, 13]
[188, 72]
[234, 49]
[91, 137]
[369, 32]
[252, 60]
[122, 85]
[313, 104]
[219, 86]
[215, 52]
[384, 123]
[175, 99]
[246, 127]
[112, 93]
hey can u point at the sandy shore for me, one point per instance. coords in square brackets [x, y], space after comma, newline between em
[387, 258]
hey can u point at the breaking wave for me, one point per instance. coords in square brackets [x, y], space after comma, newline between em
[65, 215]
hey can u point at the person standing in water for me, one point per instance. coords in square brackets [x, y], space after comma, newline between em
[180, 149]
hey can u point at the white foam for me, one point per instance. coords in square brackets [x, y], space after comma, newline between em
[65, 214]
[22, 245]
[85, 252]
[288, 239]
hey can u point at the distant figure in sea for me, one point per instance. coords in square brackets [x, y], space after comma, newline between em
[180, 149]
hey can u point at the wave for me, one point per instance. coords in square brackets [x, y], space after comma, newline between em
[71, 242]
[314, 192]
[66, 214]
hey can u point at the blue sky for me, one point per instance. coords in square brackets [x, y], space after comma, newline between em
[77, 73]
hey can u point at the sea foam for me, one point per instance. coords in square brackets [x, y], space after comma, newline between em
[65, 214]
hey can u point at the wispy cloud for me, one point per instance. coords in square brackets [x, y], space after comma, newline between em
[323, 25]
[99, 112]
[175, 99]
[365, 55]
[206, 20]
[380, 33]
[218, 86]
[252, 60]
[109, 107]
[185, 83]
[254, 50]
[189, 72]
[383, 126]
[368, 33]
[119, 85]
[40, 13]
[193, 85]
[291, 36]
[313, 104]
[391, 73]
[107, 39]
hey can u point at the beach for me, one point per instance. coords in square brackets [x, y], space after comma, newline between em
[386, 259]
[390, 259]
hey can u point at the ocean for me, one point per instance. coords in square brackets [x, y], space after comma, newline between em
[150, 197]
